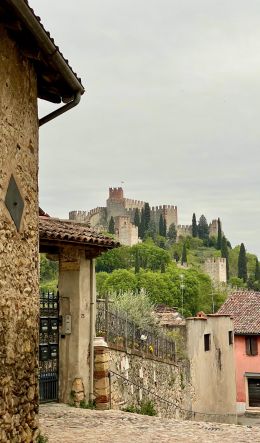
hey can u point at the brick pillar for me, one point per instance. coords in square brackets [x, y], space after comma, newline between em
[101, 374]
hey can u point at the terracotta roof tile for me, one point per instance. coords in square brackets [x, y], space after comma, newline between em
[244, 308]
[64, 230]
[168, 316]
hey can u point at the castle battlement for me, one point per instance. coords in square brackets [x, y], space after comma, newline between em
[133, 204]
[96, 210]
[184, 227]
[216, 260]
[116, 193]
[74, 215]
[163, 208]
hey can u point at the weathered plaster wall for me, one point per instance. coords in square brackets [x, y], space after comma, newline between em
[170, 381]
[212, 371]
[74, 289]
[18, 250]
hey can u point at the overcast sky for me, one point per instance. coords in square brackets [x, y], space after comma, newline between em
[172, 108]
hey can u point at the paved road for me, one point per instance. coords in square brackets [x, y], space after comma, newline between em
[64, 424]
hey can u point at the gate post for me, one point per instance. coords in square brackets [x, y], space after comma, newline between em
[74, 289]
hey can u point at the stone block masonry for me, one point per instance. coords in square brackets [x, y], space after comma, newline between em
[18, 247]
[139, 375]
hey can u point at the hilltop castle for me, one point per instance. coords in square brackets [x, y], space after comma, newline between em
[123, 210]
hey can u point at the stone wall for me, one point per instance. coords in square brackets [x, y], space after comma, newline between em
[217, 269]
[19, 291]
[169, 381]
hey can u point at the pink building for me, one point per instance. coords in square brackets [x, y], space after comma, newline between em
[244, 308]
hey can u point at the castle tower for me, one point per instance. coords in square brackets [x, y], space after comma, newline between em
[115, 203]
[217, 269]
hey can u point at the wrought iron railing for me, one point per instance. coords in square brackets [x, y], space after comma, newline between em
[122, 333]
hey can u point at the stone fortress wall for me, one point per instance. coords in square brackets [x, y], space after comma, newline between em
[118, 206]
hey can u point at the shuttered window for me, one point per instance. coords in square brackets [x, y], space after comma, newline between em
[251, 345]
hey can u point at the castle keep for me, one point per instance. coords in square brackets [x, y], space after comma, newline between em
[123, 211]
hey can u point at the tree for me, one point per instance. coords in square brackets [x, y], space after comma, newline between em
[151, 231]
[172, 233]
[203, 228]
[176, 256]
[162, 226]
[141, 230]
[242, 263]
[194, 226]
[219, 235]
[257, 270]
[184, 254]
[147, 216]
[137, 218]
[111, 226]
[137, 262]
[225, 254]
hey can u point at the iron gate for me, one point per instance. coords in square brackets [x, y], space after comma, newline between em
[49, 347]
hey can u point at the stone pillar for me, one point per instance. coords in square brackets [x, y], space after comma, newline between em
[101, 374]
[19, 288]
[74, 290]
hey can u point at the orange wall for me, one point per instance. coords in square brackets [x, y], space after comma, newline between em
[244, 363]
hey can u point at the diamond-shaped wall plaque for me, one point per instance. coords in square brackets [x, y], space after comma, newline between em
[14, 202]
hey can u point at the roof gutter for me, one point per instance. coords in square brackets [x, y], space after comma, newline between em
[51, 51]
[61, 110]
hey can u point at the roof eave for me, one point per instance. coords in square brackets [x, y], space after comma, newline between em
[48, 47]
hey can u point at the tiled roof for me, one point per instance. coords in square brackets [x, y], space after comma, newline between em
[65, 231]
[168, 316]
[58, 84]
[244, 308]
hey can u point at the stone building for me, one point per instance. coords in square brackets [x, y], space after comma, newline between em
[31, 67]
[119, 206]
[125, 231]
[217, 269]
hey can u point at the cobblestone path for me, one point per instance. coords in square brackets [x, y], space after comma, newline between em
[64, 424]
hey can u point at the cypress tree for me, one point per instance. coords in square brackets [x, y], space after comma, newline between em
[257, 270]
[219, 235]
[164, 227]
[172, 233]
[147, 216]
[203, 228]
[194, 226]
[184, 254]
[161, 226]
[141, 230]
[242, 263]
[137, 262]
[176, 256]
[111, 226]
[225, 253]
[137, 218]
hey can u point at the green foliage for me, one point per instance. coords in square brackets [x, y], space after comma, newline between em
[151, 231]
[48, 274]
[257, 270]
[145, 408]
[184, 254]
[203, 229]
[138, 307]
[194, 226]
[111, 226]
[119, 281]
[242, 263]
[172, 233]
[219, 238]
[147, 216]
[42, 438]
[137, 218]
[87, 405]
[237, 282]
[118, 258]
[225, 253]
[151, 256]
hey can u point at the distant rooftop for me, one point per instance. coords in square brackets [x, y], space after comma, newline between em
[244, 308]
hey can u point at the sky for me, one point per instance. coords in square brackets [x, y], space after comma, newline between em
[172, 109]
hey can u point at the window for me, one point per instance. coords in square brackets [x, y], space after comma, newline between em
[206, 342]
[230, 337]
[251, 345]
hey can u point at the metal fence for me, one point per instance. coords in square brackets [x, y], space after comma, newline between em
[122, 333]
